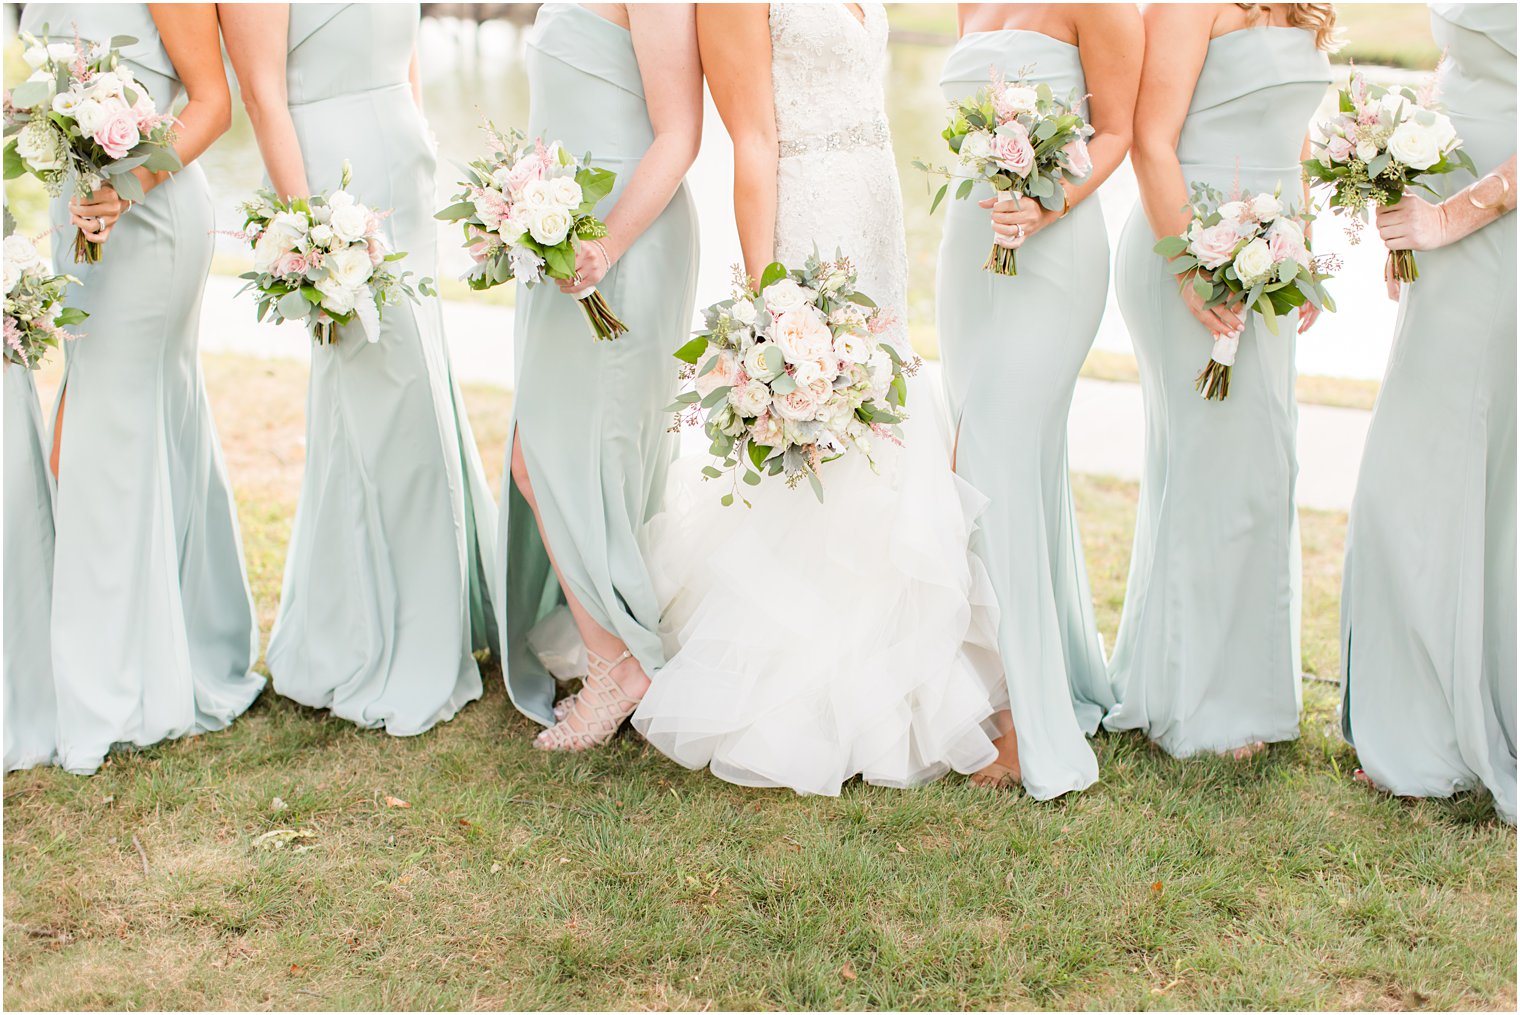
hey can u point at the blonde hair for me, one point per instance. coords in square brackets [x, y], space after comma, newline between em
[1316, 18]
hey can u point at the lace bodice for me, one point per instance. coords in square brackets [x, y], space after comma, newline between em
[836, 184]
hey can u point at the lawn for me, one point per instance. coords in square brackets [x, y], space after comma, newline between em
[296, 862]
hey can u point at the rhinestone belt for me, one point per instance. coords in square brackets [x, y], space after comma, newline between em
[862, 135]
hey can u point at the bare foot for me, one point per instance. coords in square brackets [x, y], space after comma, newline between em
[1247, 752]
[1361, 776]
[1004, 772]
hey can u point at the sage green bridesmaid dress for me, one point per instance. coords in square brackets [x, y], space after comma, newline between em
[385, 596]
[1012, 349]
[589, 413]
[1428, 604]
[1207, 654]
[31, 707]
[153, 628]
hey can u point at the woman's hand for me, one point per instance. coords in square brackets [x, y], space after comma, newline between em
[591, 266]
[1307, 315]
[1016, 219]
[1412, 224]
[98, 215]
[1222, 320]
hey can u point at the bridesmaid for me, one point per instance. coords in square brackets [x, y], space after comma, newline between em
[31, 721]
[153, 630]
[589, 444]
[385, 597]
[1012, 350]
[1428, 605]
[1207, 654]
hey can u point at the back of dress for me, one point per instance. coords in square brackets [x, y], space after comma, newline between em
[836, 181]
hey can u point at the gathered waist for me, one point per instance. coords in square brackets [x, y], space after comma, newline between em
[868, 134]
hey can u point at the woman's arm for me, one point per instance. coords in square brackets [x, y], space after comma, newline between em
[1176, 44]
[665, 43]
[1110, 38]
[735, 45]
[188, 32]
[256, 37]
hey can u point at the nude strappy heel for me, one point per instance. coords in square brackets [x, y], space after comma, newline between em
[601, 707]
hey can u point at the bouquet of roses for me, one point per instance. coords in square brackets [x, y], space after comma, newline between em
[34, 313]
[793, 376]
[81, 112]
[1021, 139]
[1379, 142]
[1250, 251]
[525, 208]
[322, 260]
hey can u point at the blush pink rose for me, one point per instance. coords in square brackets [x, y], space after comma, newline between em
[799, 406]
[119, 134]
[377, 249]
[1285, 240]
[1077, 156]
[1339, 149]
[528, 168]
[290, 264]
[1012, 150]
[1214, 245]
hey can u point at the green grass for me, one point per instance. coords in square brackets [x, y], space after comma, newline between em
[617, 880]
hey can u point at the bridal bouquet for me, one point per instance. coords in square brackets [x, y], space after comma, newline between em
[525, 208]
[1022, 140]
[34, 313]
[322, 260]
[794, 375]
[1251, 251]
[1380, 142]
[81, 112]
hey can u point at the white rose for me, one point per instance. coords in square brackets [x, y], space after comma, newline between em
[1018, 99]
[322, 235]
[536, 194]
[106, 85]
[800, 335]
[338, 298]
[880, 367]
[566, 192]
[754, 362]
[852, 347]
[38, 148]
[744, 312]
[266, 250]
[350, 266]
[1254, 262]
[809, 374]
[1265, 207]
[349, 222]
[12, 276]
[550, 224]
[341, 199]
[1445, 133]
[784, 295]
[721, 375]
[751, 399]
[1393, 102]
[511, 229]
[35, 56]
[1415, 145]
[20, 252]
[976, 145]
[1366, 151]
[1233, 210]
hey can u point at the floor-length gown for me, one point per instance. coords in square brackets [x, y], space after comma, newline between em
[385, 595]
[812, 642]
[1207, 654]
[31, 708]
[153, 628]
[1428, 603]
[1012, 348]
[590, 413]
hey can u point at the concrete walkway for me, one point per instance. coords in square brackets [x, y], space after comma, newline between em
[1107, 419]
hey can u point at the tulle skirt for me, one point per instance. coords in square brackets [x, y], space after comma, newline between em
[809, 643]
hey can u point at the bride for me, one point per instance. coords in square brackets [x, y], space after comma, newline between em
[810, 642]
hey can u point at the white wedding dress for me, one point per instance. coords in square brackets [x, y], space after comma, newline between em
[809, 642]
